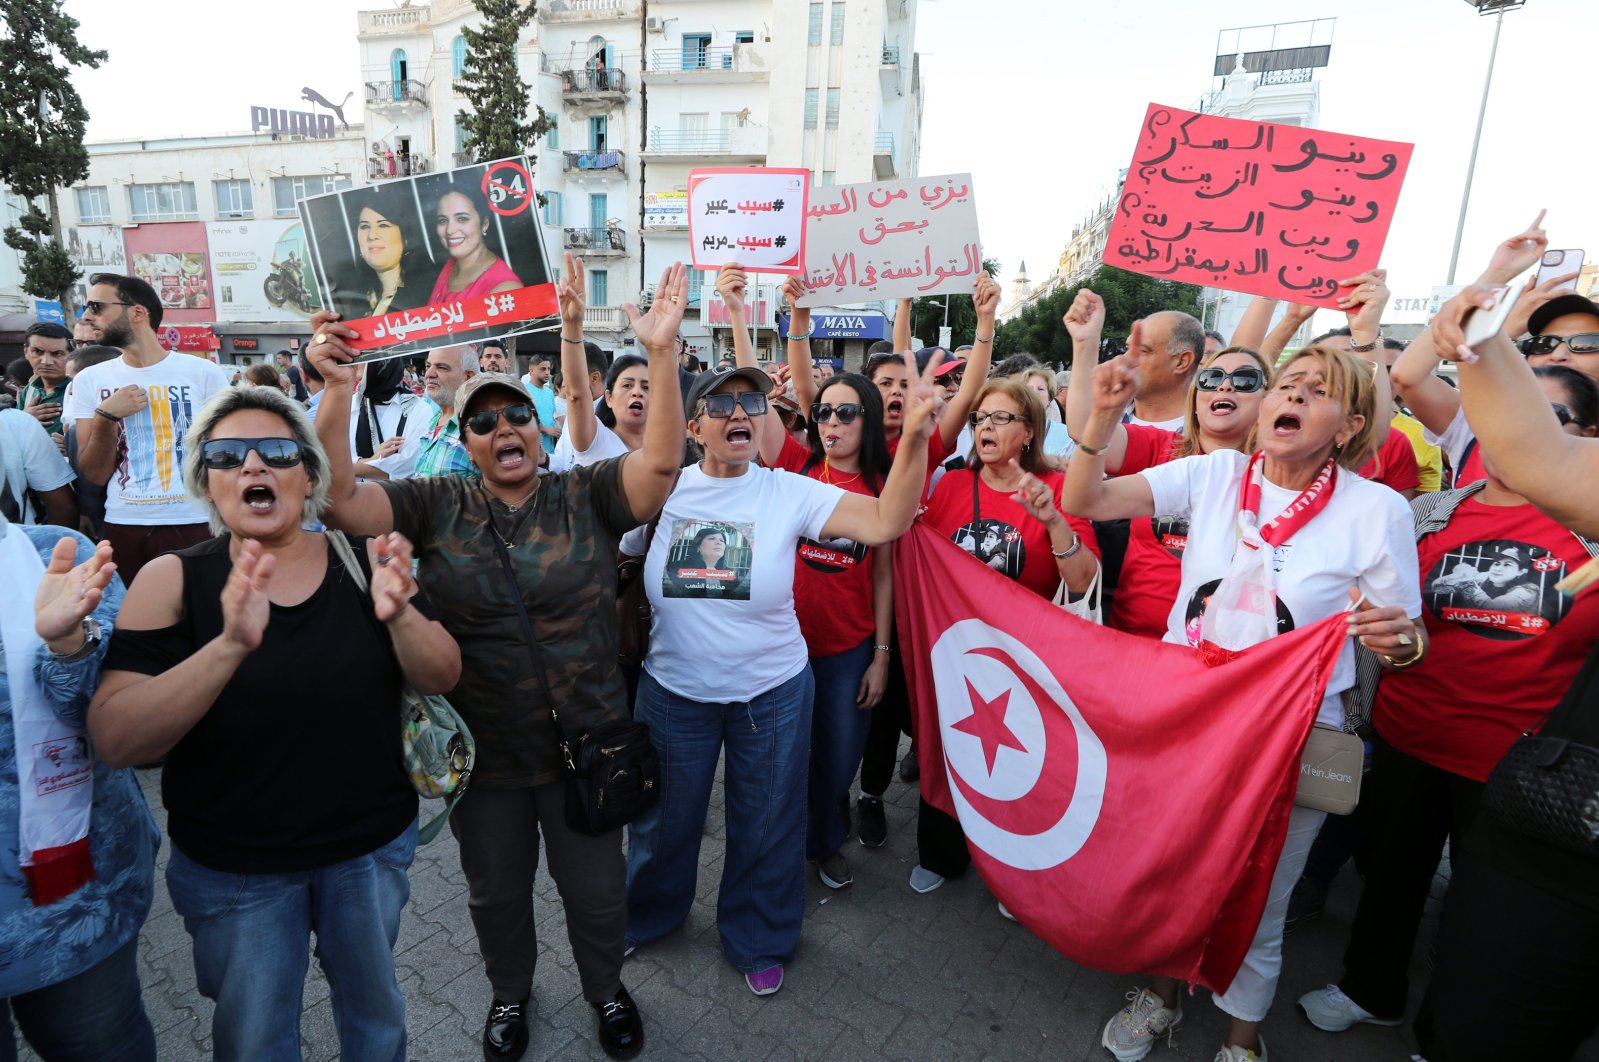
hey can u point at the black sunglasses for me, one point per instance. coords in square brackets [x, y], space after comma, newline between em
[482, 422]
[1246, 380]
[1581, 343]
[231, 453]
[846, 412]
[721, 406]
[95, 307]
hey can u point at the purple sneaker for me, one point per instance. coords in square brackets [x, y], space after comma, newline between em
[765, 982]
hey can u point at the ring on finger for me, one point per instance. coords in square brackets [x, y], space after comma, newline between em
[1402, 638]
[320, 339]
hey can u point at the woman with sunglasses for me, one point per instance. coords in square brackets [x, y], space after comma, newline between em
[1317, 537]
[558, 534]
[197, 673]
[1506, 645]
[757, 701]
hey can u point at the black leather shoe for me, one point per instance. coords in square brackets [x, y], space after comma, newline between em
[909, 769]
[505, 1031]
[621, 1027]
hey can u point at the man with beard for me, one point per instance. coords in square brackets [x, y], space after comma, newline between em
[537, 382]
[491, 357]
[436, 449]
[131, 415]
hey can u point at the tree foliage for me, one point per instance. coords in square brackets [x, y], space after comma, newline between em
[42, 121]
[499, 125]
[927, 314]
[1128, 297]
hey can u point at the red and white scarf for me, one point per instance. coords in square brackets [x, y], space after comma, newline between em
[55, 772]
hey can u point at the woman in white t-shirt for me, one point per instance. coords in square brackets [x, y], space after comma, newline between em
[1332, 537]
[730, 668]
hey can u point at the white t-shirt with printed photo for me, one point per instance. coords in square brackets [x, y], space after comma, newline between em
[724, 627]
[146, 487]
[1364, 538]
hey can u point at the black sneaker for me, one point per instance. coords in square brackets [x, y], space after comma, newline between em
[909, 769]
[621, 1028]
[1305, 904]
[873, 823]
[505, 1030]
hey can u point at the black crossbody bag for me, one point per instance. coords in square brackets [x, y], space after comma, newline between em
[613, 773]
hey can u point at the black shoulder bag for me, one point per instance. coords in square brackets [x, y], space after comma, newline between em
[613, 773]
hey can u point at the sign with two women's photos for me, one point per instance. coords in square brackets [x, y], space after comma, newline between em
[432, 260]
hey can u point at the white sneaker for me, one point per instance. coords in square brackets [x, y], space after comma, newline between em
[1004, 912]
[1329, 1010]
[924, 880]
[1132, 1032]
[1233, 1053]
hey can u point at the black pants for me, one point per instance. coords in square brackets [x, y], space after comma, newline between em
[498, 830]
[890, 719]
[940, 842]
[1518, 971]
[1412, 808]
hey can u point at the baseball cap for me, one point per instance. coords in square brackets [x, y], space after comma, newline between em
[711, 379]
[486, 381]
[1559, 307]
[952, 365]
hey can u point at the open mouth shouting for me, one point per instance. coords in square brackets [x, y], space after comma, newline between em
[1222, 406]
[1286, 425]
[740, 435]
[260, 498]
[510, 456]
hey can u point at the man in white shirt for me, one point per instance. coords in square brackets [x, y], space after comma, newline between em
[131, 415]
[35, 480]
[1173, 347]
[433, 445]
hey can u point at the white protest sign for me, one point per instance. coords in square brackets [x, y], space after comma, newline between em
[755, 217]
[891, 240]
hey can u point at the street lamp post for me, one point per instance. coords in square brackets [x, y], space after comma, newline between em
[1484, 7]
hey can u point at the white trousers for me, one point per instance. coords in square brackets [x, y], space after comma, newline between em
[1249, 997]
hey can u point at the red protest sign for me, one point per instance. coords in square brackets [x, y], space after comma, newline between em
[1274, 210]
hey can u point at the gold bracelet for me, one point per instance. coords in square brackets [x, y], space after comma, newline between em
[1414, 658]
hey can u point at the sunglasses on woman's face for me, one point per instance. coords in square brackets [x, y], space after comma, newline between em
[482, 422]
[231, 453]
[720, 407]
[1246, 380]
[846, 412]
[1581, 343]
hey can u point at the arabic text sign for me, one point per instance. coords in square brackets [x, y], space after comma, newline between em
[891, 240]
[1273, 210]
[755, 217]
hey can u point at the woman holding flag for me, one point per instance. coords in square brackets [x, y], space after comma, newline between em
[1334, 539]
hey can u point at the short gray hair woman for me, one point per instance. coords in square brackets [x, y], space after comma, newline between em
[313, 458]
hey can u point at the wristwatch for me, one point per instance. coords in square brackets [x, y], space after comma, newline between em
[91, 639]
[1365, 348]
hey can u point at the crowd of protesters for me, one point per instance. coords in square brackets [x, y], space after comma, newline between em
[761, 504]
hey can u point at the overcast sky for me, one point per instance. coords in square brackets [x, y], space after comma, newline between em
[1039, 99]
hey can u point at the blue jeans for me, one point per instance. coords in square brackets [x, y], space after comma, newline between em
[761, 905]
[838, 739]
[95, 1015]
[251, 937]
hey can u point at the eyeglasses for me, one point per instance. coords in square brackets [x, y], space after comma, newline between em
[846, 413]
[721, 406]
[1000, 417]
[95, 308]
[231, 453]
[1246, 380]
[482, 422]
[1581, 343]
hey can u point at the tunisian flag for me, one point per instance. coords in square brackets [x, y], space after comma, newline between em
[1124, 799]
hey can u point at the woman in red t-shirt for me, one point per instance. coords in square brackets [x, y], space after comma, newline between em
[1506, 645]
[844, 597]
[1223, 405]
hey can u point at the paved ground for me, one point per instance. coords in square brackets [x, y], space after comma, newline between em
[882, 973]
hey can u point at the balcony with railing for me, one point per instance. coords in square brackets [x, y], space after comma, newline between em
[589, 10]
[739, 143]
[745, 61]
[595, 162]
[406, 20]
[883, 156]
[462, 158]
[383, 168]
[890, 72]
[609, 240]
[604, 319]
[385, 95]
[593, 86]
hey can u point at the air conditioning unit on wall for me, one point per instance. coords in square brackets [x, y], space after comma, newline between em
[655, 24]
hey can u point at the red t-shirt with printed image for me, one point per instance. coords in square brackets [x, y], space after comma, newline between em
[1394, 464]
[1506, 645]
[1152, 569]
[998, 532]
[832, 579]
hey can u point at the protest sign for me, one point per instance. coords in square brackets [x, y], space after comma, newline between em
[891, 240]
[752, 216]
[1273, 210]
[432, 260]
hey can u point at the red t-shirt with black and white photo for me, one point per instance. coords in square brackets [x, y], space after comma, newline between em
[1394, 464]
[1152, 569]
[1000, 533]
[832, 579]
[1506, 645]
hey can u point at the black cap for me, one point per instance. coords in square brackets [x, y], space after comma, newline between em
[1559, 307]
[711, 379]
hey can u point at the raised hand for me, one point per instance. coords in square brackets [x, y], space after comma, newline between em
[793, 292]
[731, 284]
[393, 584]
[1448, 325]
[985, 299]
[925, 404]
[1517, 253]
[573, 293]
[329, 353]
[1533, 296]
[1364, 302]
[1085, 319]
[245, 605]
[658, 328]
[67, 593]
[1115, 382]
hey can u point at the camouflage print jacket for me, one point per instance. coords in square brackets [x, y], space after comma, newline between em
[563, 543]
